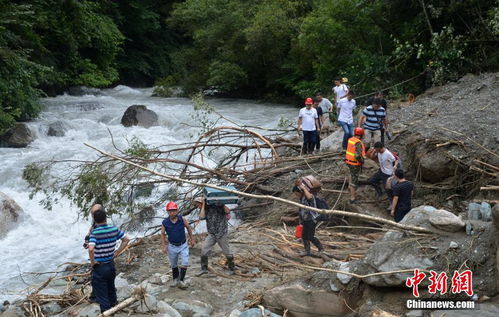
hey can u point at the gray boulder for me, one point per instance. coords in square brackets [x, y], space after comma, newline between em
[52, 308]
[91, 310]
[486, 211]
[166, 309]
[12, 311]
[18, 136]
[256, 312]
[474, 211]
[139, 115]
[436, 166]
[305, 301]
[10, 214]
[192, 308]
[83, 90]
[446, 221]
[149, 303]
[57, 128]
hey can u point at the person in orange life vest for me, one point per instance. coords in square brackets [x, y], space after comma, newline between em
[354, 158]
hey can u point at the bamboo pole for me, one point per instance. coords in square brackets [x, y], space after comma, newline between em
[269, 197]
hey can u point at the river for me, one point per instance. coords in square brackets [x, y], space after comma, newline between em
[46, 239]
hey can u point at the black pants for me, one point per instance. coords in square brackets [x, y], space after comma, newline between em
[309, 139]
[318, 141]
[309, 233]
[103, 287]
[378, 180]
[400, 214]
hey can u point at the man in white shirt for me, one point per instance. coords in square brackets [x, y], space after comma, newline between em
[387, 164]
[327, 108]
[340, 90]
[345, 118]
[308, 122]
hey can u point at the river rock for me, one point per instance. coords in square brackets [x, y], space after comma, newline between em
[254, 312]
[486, 211]
[91, 310]
[139, 115]
[446, 221]
[57, 128]
[192, 308]
[18, 136]
[474, 211]
[163, 307]
[333, 141]
[10, 214]
[12, 311]
[305, 301]
[83, 90]
[149, 303]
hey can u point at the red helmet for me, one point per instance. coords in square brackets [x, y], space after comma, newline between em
[358, 131]
[308, 101]
[171, 206]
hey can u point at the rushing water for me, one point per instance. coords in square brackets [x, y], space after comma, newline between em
[46, 239]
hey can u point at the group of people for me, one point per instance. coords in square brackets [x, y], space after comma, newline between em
[369, 133]
[102, 239]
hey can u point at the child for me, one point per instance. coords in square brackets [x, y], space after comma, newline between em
[174, 227]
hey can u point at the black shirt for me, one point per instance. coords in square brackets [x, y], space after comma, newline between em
[404, 191]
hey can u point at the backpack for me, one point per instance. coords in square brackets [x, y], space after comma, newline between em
[397, 157]
[320, 204]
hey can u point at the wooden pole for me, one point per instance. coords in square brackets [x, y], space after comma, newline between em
[268, 197]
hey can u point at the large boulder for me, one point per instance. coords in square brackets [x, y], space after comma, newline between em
[57, 128]
[83, 90]
[436, 166]
[18, 136]
[333, 141]
[302, 300]
[139, 115]
[10, 214]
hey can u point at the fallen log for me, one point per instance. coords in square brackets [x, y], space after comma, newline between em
[268, 197]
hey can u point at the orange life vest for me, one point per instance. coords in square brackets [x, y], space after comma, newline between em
[350, 155]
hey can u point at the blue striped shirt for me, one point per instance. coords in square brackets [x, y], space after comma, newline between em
[374, 118]
[104, 238]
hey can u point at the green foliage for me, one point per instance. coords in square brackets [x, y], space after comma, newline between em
[202, 114]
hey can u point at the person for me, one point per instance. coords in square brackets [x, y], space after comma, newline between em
[354, 158]
[87, 238]
[217, 227]
[372, 120]
[387, 164]
[345, 119]
[173, 231]
[402, 193]
[327, 108]
[307, 218]
[101, 250]
[380, 95]
[320, 115]
[340, 90]
[308, 122]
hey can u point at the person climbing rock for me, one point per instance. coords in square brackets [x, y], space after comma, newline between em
[402, 194]
[387, 164]
[307, 218]
[354, 158]
[175, 244]
[373, 119]
[218, 233]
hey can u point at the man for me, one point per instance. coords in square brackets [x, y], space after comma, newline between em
[101, 250]
[217, 226]
[354, 158]
[402, 193]
[327, 108]
[345, 119]
[380, 95]
[307, 218]
[320, 115]
[373, 120]
[340, 90]
[173, 231]
[308, 122]
[387, 164]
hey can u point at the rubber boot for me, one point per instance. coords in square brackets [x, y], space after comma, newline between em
[231, 265]
[306, 244]
[318, 244]
[204, 265]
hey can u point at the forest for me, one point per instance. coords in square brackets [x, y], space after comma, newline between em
[264, 49]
